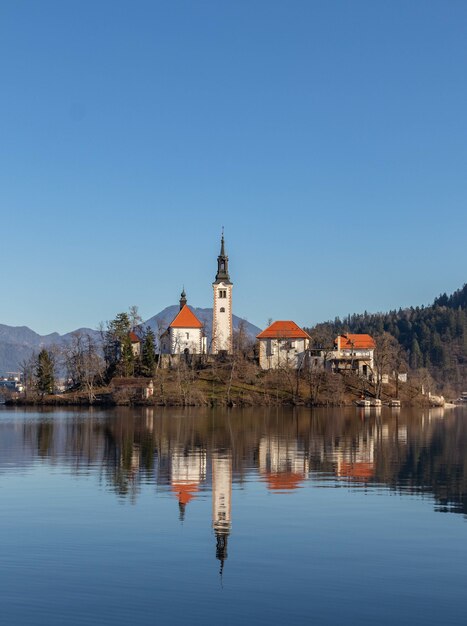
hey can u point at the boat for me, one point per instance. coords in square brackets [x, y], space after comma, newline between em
[394, 403]
[365, 402]
[369, 402]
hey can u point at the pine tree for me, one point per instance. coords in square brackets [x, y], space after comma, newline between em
[148, 358]
[118, 352]
[45, 380]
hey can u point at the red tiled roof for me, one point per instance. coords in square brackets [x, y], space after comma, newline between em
[284, 481]
[185, 318]
[358, 342]
[134, 337]
[285, 329]
[356, 470]
[185, 492]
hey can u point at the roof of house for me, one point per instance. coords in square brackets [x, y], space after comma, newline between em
[360, 470]
[285, 329]
[358, 342]
[284, 481]
[185, 318]
[134, 337]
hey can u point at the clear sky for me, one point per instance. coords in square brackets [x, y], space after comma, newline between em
[329, 138]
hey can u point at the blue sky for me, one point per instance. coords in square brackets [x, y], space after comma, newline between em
[329, 138]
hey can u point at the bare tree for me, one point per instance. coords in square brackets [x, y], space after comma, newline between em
[385, 358]
[27, 368]
[84, 363]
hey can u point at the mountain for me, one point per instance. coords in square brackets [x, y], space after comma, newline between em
[18, 343]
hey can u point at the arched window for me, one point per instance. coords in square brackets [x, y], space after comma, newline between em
[222, 309]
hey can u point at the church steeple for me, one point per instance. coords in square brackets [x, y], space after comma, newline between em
[223, 263]
[183, 299]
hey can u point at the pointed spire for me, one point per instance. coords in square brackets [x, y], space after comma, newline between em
[222, 243]
[183, 299]
[223, 262]
[181, 511]
[221, 550]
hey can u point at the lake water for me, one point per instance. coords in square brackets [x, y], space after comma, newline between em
[148, 516]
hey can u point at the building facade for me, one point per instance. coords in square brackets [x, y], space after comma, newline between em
[222, 327]
[185, 334]
[283, 344]
[353, 353]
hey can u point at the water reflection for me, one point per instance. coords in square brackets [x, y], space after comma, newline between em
[186, 454]
[221, 502]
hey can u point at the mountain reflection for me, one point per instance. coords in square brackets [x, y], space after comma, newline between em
[200, 453]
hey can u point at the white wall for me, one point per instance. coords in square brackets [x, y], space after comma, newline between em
[222, 320]
[274, 353]
[182, 339]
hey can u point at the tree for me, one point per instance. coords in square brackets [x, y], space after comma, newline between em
[385, 358]
[28, 369]
[148, 355]
[45, 379]
[118, 352]
[134, 316]
[84, 363]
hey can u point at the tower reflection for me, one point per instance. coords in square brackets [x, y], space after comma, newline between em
[221, 502]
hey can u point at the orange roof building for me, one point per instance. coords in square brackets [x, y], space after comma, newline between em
[185, 333]
[285, 329]
[282, 344]
[354, 353]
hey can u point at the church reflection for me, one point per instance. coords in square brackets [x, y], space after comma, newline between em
[188, 471]
[193, 455]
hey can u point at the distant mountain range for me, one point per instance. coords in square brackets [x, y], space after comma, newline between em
[19, 342]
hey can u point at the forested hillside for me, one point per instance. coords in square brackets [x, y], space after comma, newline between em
[433, 337]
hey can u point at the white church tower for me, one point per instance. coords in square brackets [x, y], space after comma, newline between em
[222, 329]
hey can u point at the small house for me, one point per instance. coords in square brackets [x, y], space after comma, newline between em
[353, 353]
[282, 344]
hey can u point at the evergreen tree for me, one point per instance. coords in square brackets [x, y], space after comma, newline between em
[148, 357]
[118, 352]
[45, 379]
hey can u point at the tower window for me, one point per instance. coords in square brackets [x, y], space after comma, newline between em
[187, 335]
[222, 293]
[222, 309]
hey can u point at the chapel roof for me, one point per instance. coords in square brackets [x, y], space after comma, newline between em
[185, 492]
[284, 329]
[185, 318]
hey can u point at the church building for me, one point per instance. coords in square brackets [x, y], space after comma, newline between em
[222, 328]
[185, 333]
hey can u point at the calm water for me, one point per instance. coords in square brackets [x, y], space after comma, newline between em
[259, 517]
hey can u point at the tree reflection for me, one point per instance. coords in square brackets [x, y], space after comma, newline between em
[178, 451]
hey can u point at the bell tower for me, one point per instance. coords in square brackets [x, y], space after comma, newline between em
[222, 328]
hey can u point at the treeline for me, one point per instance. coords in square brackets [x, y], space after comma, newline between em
[433, 337]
